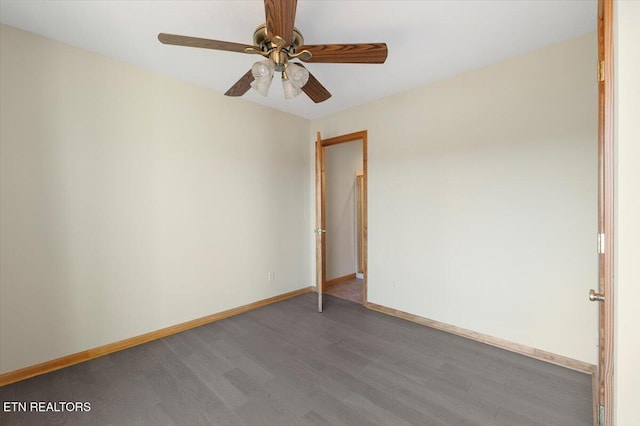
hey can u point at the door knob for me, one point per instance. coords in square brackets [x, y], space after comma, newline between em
[595, 297]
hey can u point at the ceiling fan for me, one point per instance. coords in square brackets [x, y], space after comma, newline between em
[279, 42]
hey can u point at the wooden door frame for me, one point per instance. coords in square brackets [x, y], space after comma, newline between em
[321, 145]
[606, 163]
[360, 222]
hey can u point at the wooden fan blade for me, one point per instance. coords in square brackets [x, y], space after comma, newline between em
[241, 86]
[280, 16]
[314, 89]
[363, 53]
[204, 43]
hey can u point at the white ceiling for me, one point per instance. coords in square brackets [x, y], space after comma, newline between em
[428, 40]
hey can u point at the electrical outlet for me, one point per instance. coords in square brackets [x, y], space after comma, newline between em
[393, 284]
[272, 276]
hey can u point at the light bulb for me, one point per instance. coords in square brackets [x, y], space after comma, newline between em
[261, 70]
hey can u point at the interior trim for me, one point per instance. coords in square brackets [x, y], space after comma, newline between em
[518, 348]
[66, 361]
[606, 210]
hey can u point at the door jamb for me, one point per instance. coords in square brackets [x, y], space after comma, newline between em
[606, 163]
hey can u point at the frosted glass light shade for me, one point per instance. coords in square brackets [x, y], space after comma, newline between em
[293, 80]
[297, 75]
[263, 74]
[290, 91]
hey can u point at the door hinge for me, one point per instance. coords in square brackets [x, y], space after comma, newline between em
[600, 243]
[601, 415]
[600, 70]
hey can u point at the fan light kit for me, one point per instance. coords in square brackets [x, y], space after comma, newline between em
[278, 41]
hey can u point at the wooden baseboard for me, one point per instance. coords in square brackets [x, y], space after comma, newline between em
[66, 361]
[339, 280]
[552, 358]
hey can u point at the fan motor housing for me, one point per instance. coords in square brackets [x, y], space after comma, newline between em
[263, 40]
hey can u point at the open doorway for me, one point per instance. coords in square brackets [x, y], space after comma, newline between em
[341, 217]
[343, 167]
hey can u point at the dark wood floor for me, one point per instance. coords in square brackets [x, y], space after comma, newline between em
[285, 364]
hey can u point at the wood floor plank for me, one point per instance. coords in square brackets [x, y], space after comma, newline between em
[339, 413]
[315, 419]
[287, 364]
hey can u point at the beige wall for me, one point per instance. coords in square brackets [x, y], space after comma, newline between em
[131, 201]
[342, 162]
[482, 198]
[627, 223]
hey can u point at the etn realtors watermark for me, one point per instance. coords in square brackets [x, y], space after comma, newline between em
[45, 406]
